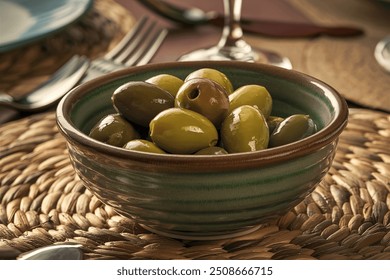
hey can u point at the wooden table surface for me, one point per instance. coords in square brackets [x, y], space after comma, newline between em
[345, 63]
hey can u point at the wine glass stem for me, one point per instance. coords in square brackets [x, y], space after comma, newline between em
[232, 32]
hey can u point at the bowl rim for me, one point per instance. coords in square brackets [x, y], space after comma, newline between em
[203, 162]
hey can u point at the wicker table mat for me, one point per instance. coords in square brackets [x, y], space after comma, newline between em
[44, 202]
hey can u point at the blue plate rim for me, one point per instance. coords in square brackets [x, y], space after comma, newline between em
[83, 7]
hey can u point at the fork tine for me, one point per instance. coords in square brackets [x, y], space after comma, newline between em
[144, 45]
[136, 41]
[148, 49]
[138, 47]
[127, 39]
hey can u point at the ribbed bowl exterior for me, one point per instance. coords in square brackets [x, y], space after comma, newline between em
[205, 196]
[200, 203]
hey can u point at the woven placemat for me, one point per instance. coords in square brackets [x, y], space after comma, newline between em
[22, 69]
[44, 202]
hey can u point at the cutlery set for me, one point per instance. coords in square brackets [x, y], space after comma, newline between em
[136, 48]
[142, 42]
[52, 90]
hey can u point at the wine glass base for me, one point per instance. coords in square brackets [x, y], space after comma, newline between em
[254, 55]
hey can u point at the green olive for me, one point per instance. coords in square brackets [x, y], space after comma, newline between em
[205, 97]
[182, 131]
[167, 82]
[212, 74]
[139, 102]
[273, 122]
[254, 95]
[113, 130]
[215, 150]
[244, 130]
[143, 146]
[293, 128]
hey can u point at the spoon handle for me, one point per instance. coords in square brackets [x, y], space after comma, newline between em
[5, 98]
[382, 53]
[64, 251]
[51, 91]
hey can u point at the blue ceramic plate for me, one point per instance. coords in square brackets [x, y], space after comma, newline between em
[24, 21]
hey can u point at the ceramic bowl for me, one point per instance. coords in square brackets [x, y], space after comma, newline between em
[205, 197]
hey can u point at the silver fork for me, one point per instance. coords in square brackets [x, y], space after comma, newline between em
[136, 48]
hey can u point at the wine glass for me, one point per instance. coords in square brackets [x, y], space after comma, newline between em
[232, 46]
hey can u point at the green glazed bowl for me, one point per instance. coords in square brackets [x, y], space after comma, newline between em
[205, 197]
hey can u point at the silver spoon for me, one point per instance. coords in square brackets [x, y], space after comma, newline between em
[186, 16]
[382, 53]
[51, 91]
[63, 251]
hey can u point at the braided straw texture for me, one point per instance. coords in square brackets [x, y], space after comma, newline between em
[43, 202]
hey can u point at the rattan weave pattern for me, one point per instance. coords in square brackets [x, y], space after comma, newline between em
[43, 202]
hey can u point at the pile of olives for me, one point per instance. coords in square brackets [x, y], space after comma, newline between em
[200, 115]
